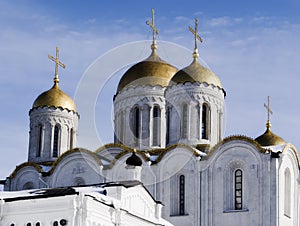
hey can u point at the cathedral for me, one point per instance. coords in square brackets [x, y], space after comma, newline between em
[168, 135]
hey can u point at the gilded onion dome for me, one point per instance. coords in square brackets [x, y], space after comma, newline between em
[195, 72]
[152, 71]
[269, 138]
[55, 97]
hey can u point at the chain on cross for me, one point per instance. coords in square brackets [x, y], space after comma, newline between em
[57, 63]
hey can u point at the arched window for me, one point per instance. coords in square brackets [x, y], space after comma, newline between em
[184, 121]
[204, 121]
[121, 127]
[287, 192]
[55, 142]
[38, 224]
[181, 194]
[71, 138]
[198, 122]
[168, 125]
[27, 186]
[55, 223]
[28, 224]
[238, 189]
[220, 125]
[136, 127]
[40, 141]
[156, 126]
[78, 181]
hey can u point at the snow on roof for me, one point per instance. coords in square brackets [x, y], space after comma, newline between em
[49, 192]
[276, 148]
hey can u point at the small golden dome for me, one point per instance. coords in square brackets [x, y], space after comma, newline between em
[195, 72]
[55, 97]
[269, 138]
[152, 71]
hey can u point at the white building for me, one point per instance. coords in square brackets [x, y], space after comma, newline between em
[124, 203]
[174, 118]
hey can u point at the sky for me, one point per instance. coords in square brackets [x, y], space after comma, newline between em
[253, 47]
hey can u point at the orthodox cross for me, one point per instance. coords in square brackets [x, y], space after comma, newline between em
[267, 106]
[57, 63]
[195, 33]
[154, 29]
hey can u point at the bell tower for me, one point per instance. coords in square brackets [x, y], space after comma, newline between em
[53, 122]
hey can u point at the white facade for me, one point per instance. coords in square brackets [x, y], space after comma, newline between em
[44, 122]
[126, 103]
[196, 113]
[125, 203]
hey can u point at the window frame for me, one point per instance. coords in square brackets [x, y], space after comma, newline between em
[238, 189]
[181, 193]
[56, 139]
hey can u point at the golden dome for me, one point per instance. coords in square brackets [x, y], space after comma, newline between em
[55, 97]
[269, 138]
[152, 71]
[195, 72]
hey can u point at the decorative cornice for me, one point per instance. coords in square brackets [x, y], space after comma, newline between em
[60, 158]
[113, 145]
[236, 138]
[293, 148]
[25, 164]
[55, 163]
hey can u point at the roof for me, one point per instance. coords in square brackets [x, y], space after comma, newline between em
[55, 97]
[152, 71]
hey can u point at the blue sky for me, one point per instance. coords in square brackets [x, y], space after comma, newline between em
[253, 46]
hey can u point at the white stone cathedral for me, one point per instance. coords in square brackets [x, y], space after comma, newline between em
[168, 135]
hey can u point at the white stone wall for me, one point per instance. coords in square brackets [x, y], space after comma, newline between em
[48, 118]
[194, 96]
[209, 182]
[220, 190]
[145, 98]
[121, 206]
[288, 162]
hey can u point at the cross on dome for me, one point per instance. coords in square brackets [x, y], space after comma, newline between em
[269, 111]
[154, 30]
[57, 63]
[197, 37]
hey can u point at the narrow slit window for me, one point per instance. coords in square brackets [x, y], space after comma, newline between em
[137, 122]
[204, 122]
[181, 194]
[287, 193]
[238, 189]
[121, 136]
[40, 141]
[156, 126]
[55, 141]
[71, 138]
[184, 128]
[168, 126]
